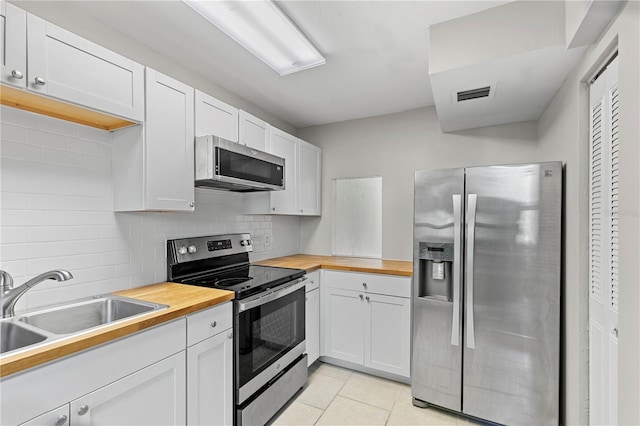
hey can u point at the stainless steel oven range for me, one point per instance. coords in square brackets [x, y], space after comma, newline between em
[270, 365]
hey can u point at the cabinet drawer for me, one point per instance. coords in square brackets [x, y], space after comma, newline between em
[391, 285]
[313, 281]
[209, 323]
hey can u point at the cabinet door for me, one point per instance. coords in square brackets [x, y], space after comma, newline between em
[57, 417]
[68, 67]
[214, 117]
[13, 42]
[169, 143]
[285, 145]
[155, 395]
[210, 381]
[310, 179]
[343, 324]
[388, 333]
[254, 132]
[312, 325]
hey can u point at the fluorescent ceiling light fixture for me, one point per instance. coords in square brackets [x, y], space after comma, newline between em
[264, 30]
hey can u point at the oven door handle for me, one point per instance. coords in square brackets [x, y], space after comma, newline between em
[261, 300]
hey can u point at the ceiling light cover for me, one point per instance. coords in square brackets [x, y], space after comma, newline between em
[264, 30]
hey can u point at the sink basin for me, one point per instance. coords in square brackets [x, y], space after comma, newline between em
[80, 316]
[13, 336]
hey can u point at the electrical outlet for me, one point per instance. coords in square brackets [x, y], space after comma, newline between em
[267, 238]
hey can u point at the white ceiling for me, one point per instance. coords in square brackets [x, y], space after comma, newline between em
[377, 51]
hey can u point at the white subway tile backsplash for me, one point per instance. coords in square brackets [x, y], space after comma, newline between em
[10, 235]
[22, 251]
[48, 140]
[57, 212]
[21, 151]
[11, 201]
[11, 132]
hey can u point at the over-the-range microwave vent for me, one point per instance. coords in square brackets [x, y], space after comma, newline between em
[466, 95]
[226, 186]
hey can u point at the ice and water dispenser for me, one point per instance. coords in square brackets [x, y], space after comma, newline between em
[436, 271]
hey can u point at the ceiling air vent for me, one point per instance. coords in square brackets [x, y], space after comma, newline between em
[482, 92]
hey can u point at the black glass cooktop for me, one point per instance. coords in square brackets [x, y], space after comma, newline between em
[245, 280]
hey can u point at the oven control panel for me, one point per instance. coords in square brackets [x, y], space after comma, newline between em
[219, 245]
[197, 248]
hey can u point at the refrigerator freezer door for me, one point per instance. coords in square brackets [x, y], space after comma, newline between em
[511, 376]
[436, 362]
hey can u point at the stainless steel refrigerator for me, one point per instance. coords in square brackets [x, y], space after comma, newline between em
[486, 292]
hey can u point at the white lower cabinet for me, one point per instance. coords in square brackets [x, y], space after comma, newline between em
[57, 417]
[370, 327]
[210, 381]
[155, 395]
[312, 317]
[153, 377]
[388, 334]
[343, 324]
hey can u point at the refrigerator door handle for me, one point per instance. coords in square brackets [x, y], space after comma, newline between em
[457, 249]
[472, 201]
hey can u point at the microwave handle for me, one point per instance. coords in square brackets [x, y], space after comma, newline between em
[270, 297]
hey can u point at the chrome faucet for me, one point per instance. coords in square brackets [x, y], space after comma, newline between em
[10, 295]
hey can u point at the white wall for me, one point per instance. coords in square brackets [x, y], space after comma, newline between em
[56, 212]
[394, 146]
[563, 134]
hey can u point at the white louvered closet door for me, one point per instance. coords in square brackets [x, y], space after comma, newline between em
[603, 248]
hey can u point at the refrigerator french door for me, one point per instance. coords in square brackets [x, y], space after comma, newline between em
[486, 296]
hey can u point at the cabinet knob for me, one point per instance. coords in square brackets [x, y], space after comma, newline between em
[364, 285]
[191, 204]
[230, 335]
[273, 209]
[300, 210]
[39, 81]
[83, 410]
[361, 296]
[367, 298]
[213, 324]
[17, 74]
[61, 420]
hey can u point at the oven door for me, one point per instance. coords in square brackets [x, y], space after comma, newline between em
[269, 332]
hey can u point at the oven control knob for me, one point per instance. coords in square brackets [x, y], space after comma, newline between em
[192, 249]
[182, 250]
[243, 243]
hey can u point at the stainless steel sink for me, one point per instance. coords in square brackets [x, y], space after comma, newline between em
[14, 336]
[44, 326]
[88, 314]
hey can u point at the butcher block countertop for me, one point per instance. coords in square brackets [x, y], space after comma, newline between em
[182, 300]
[311, 262]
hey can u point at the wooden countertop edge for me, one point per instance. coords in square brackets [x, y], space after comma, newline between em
[366, 269]
[60, 348]
[312, 263]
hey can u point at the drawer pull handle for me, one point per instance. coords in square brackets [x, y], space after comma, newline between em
[213, 324]
[83, 410]
[61, 420]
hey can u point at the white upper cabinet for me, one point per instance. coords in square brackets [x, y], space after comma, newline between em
[254, 132]
[13, 45]
[286, 146]
[214, 117]
[153, 166]
[301, 196]
[310, 183]
[65, 66]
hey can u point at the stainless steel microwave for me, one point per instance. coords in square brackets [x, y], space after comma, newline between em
[227, 165]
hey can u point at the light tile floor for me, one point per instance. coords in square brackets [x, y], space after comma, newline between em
[341, 397]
